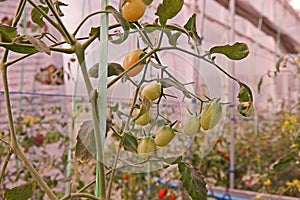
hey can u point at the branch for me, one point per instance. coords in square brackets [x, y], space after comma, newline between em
[7, 158]
[82, 195]
[62, 27]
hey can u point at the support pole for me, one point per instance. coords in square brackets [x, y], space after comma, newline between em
[232, 95]
[102, 96]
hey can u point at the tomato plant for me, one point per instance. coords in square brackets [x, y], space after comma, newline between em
[131, 137]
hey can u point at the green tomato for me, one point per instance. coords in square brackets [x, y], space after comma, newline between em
[151, 91]
[211, 114]
[133, 10]
[144, 119]
[192, 125]
[147, 2]
[145, 147]
[164, 135]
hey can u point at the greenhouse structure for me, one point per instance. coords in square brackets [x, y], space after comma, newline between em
[150, 99]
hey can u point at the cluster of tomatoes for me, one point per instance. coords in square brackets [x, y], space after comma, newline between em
[132, 11]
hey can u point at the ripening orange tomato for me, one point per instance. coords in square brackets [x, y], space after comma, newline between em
[133, 10]
[130, 59]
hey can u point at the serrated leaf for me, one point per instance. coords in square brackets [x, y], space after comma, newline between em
[85, 147]
[173, 160]
[37, 17]
[166, 82]
[260, 82]
[124, 23]
[237, 51]
[190, 26]
[192, 181]
[21, 192]
[130, 143]
[20, 49]
[7, 33]
[282, 163]
[113, 69]
[38, 44]
[168, 9]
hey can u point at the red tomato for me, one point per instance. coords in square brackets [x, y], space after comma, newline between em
[162, 193]
[126, 177]
[226, 156]
[172, 196]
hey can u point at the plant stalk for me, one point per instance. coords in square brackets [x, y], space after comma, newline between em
[14, 142]
[79, 51]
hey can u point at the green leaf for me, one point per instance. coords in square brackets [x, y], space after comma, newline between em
[124, 23]
[38, 44]
[192, 181]
[7, 33]
[37, 17]
[130, 143]
[21, 192]
[168, 9]
[57, 5]
[278, 63]
[85, 147]
[113, 69]
[245, 107]
[190, 26]
[282, 163]
[244, 94]
[19, 48]
[237, 51]
[167, 82]
[173, 160]
[260, 84]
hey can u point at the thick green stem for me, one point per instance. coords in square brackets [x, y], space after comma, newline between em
[79, 51]
[19, 12]
[14, 141]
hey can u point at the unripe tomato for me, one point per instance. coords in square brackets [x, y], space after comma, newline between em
[147, 2]
[162, 193]
[172, 196]
[164, 135]
[144, 119]
[145, 147]
[192, 125]
[211, 114]
[133, 10]
[130, 59]
[151, 91]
